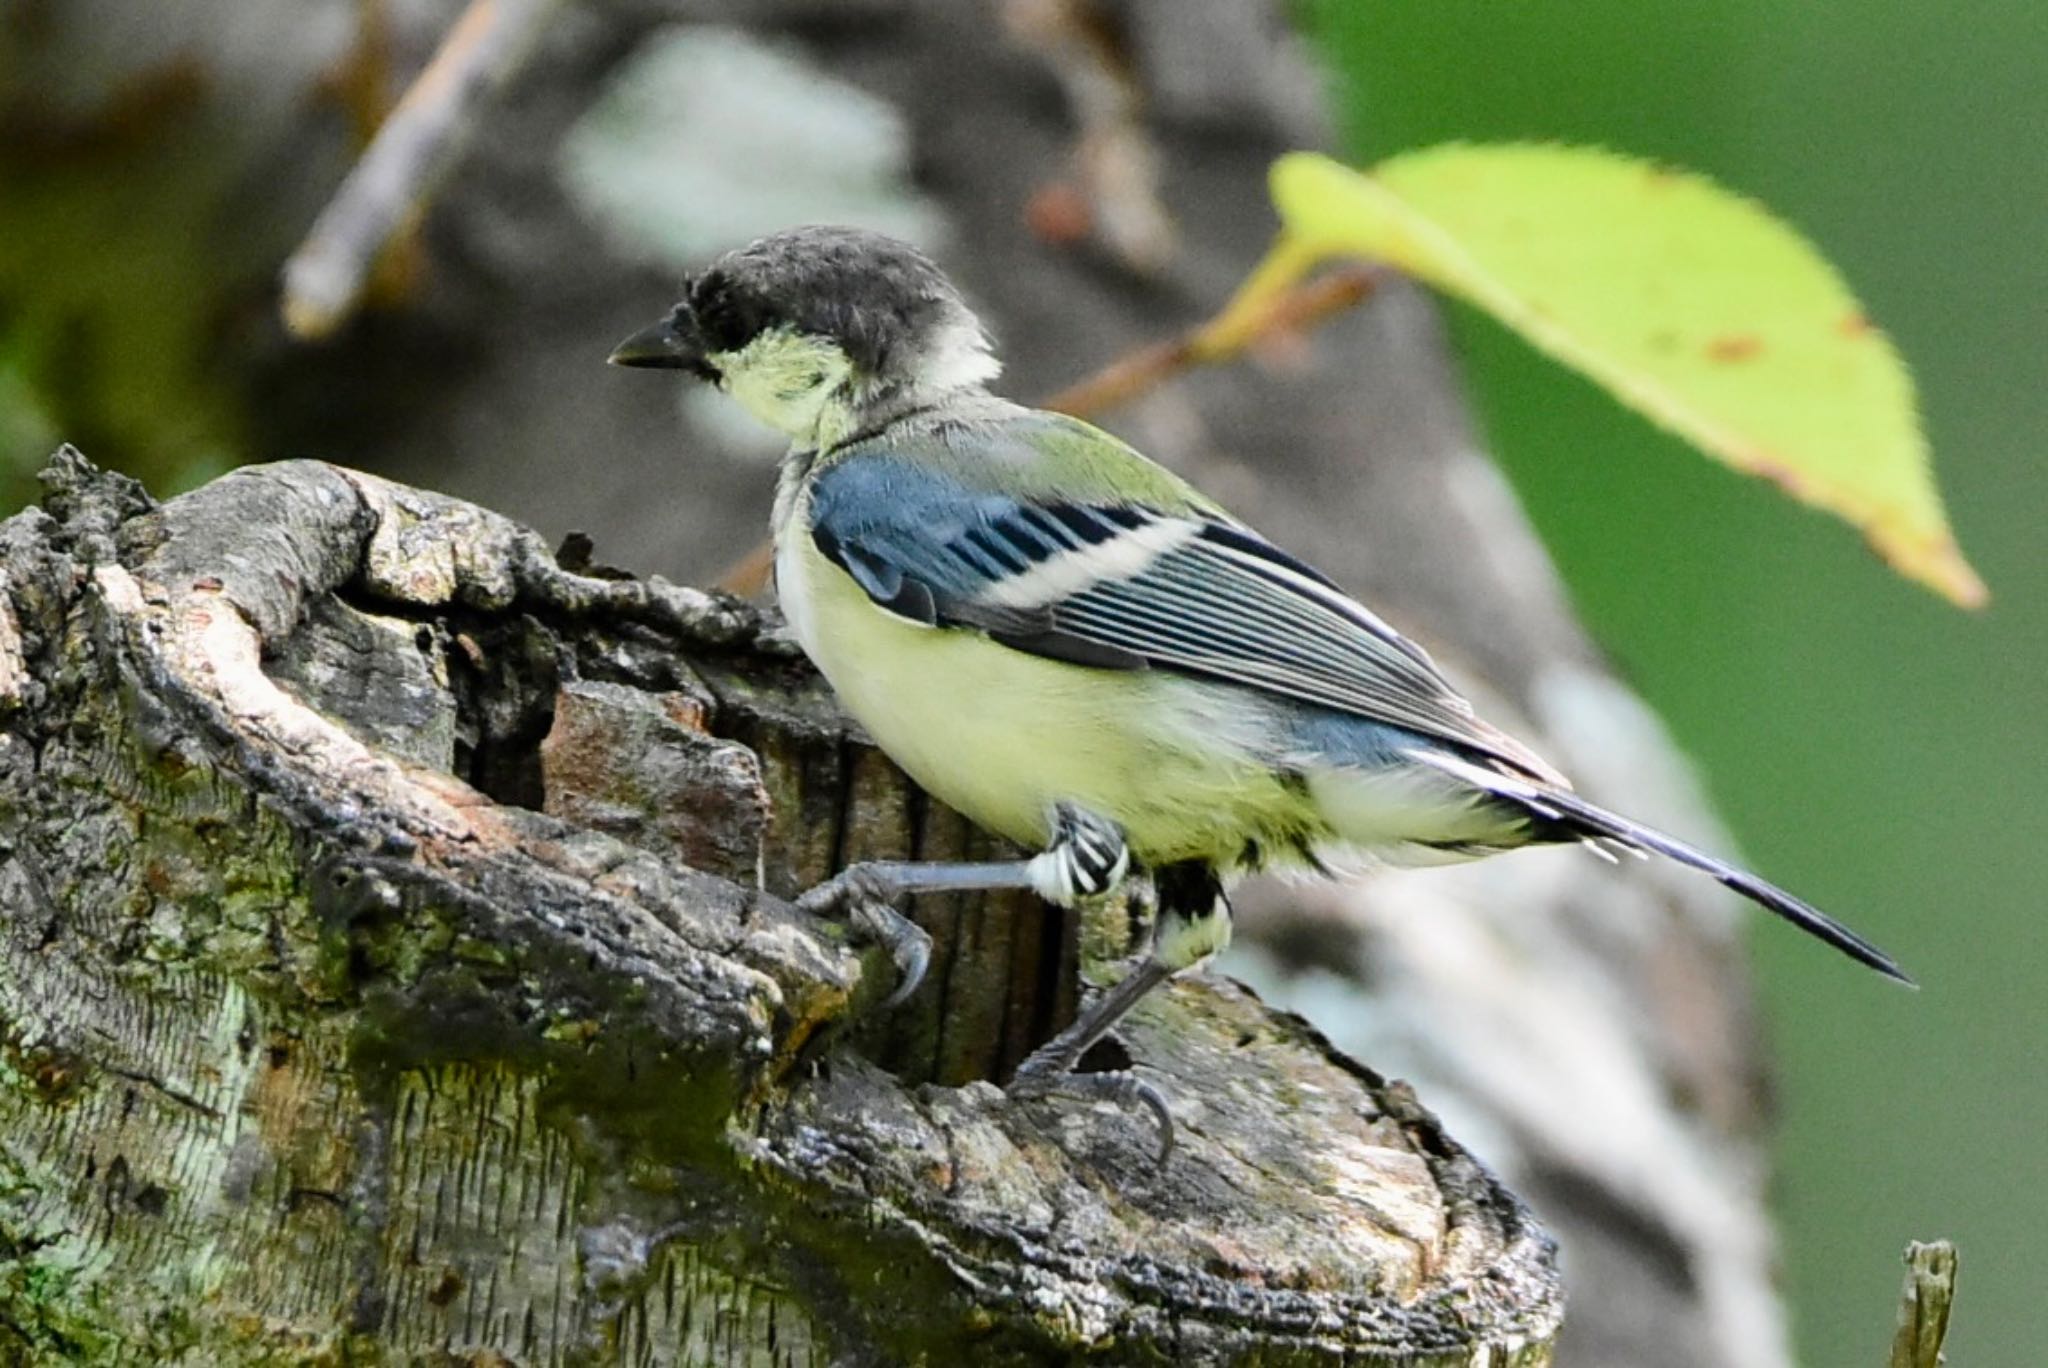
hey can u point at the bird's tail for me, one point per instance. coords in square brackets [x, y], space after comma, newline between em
[1578, 819]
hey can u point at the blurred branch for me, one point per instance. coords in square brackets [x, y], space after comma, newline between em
[1137, 373]
[1924, 1302]
[748, 575]
[1114, 159]
[362, 82]
[398, 173]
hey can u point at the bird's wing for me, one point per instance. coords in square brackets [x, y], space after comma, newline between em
[1104, 582]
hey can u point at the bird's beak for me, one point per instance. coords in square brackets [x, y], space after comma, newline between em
[663, 346]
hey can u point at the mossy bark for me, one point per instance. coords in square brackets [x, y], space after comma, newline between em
[395, 968]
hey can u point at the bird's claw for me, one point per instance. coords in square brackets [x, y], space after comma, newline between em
[1119, 1086]
[863, 900]
[907, 944]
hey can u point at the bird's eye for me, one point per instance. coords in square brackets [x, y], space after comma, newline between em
[727, 319]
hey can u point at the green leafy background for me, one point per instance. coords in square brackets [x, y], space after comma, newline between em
[1872, 746]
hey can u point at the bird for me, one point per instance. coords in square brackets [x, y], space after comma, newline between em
[1078, 650]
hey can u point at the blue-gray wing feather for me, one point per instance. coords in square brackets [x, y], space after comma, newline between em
[1220, 603]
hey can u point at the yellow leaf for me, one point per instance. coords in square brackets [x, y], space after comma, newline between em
[1688, 303]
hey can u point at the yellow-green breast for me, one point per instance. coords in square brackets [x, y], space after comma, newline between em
[1001, 735]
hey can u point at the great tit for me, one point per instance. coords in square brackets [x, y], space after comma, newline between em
[1078, 650]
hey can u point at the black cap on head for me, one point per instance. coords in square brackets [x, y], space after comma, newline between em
[883, 301]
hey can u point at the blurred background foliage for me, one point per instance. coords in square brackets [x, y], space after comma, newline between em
[1871, 746]
[1874, 747]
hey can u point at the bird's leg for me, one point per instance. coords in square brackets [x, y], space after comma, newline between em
[1193, 924]
[1087, 856]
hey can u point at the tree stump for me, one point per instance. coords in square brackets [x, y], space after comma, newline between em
[397, 968]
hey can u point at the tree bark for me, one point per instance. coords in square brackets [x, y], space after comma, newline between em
[396, 967]
[1589, 1032]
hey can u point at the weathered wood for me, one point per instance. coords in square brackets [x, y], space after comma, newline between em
[1925, 1300]
[359, 997]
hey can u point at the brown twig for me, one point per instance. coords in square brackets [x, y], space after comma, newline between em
[1924, 1303]
[399, 171]
[1138, 372]
[748, 575]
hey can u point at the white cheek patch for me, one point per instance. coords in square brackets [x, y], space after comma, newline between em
[958, 357]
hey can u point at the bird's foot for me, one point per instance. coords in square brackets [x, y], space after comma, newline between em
[862, 896]
[1046, 1073]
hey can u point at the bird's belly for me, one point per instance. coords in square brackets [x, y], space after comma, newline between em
[1001, 735]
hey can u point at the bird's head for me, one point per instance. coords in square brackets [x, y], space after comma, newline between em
[817, 331]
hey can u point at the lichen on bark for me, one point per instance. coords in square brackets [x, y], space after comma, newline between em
[395, 967]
